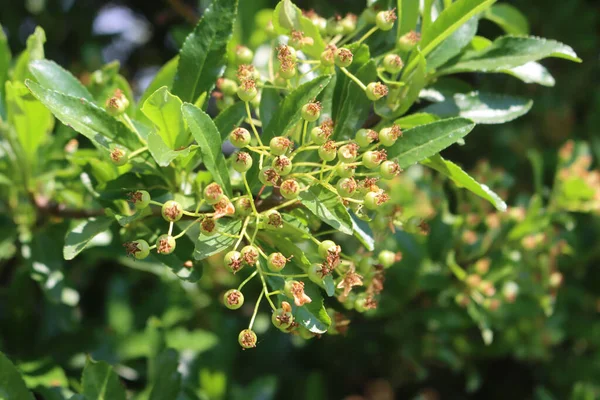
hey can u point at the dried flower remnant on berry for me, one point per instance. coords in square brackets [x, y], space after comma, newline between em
[246, 72]
[297, 290]
[164, 245]
[116, 155]
[350, 279]
[275, 220]
[223, 207]
[233, 297]
[131, 248]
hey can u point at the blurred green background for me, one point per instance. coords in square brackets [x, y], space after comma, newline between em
[383, 356]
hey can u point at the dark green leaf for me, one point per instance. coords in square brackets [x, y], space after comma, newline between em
[164, 77]
[313, 315]
[509, 18]
[328, 206]
[206, 246]
[81, 235]
[161, 153]
[230, 118]
[365, 238]
[164, 111]
[12, 385]
[464, 180]
[269, 103]
[209, 140]
[329, 285]
[425, 141]
[453, 44]
[287, 18]
[5, 59]
[54, 77]
[482, 108]
[166, 380]
[203, 54]
[100, 382]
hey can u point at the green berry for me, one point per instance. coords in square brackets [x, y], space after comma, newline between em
[392, 63]
[316, 273]
[328, 56]
[374, 200]
[268, 176]
[282, 319]
[375, 91]
[243, 55]
[243, 207]
[224, 102]
[385, 20]
[386, 258]
[276, 262]
[344, 171]
[372, 159]
[348, 152]
[389, 169]
[360, 304]
[172, 211]
[286, 53]
[327, 151]
[273, 219]
[249, 255]
[343, 57]
[233, 261]
[346, 187]
[289, 189]
[227, 86]
[388, 136]
[213, 193]
[325, 246]
[233, 299]
[165, 244]
[240, 137]
[118, 156]
[318, 135]
[247, 339]
[311, 111]
[348, 24]
[242, 162]
[280, 145]
[138, 249]
[208, 226]
[408, 41]
[287, 70]
[282, 165]
[365, 137]
[140, 199]
[247, 90]
[117, 104]
[369, 15]
[334, 27]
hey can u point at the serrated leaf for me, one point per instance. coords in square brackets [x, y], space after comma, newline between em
[209, 140]
[203, 54]
[54, 77]
[287, 18]
[508, 52]
[412, 120]
[328, 206]
[453, 44]
[509, 18]
[12, 385]
[85, 117]
[464, 180]
[206, 246]
[166, 379]
[164, 77]
[424, 141]
[100, 382]
[164, 111]
[80, 236]
[482, 108]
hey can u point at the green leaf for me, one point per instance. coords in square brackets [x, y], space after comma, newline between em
[394, 105]
[313, 315]
[365, 238]
[197, 340]
[356, 107]
[161, 153]
[5, 60]
[509, 18]
[100, 382]
[508, 52]
[424, 141]
[289, 249]
[532, 72]
[166, 380]
[85, 117]
[42, 372]
[453, 44]
[164, 111]
[328, 206]
[230, 118]
[464, 180]
[209, 140]
[164, 77]
[287, 18]
[408, 15]
[53, 76]
[80, 236]
[269, 103]
[449, 20]
[412, 120]
[34, 51]
[482, 108]
[203, 54]
[329, 285]
[206, 246]
[12, 385]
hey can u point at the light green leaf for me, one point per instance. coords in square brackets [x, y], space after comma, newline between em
[482, 108]
[508, 52]
[34, 51]
[80, 236]
[166, 380]
[287, 18]
[329, 285]
[42, 372]
[464, 180]
[412, 120]
[509, 18]
[85, 117]
[164, 111]
[424, 141]
[408, 15]
[453, 44]
[328, 206]
[203, 54]
[206, 246]
[209, 140]
[12, 385]
[197, 340]
[161, 153]
[164, 77]
[53, 76]
[100, 382]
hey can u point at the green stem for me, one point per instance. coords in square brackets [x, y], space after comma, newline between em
[248, 279]
[354, 78]
[366, 35]
[138, 151]
[250, 195]
[256, 309]
[131, 126]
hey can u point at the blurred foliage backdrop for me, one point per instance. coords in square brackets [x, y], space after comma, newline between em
[396, 353]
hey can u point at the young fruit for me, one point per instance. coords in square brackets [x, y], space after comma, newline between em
[213, 193]
[389, 169]
[233, 299]
[327, 151]
[276, 262]
[138, 248]
[208, 226]
[282, 319]
[243, 207]
[227, 86]
[386, 258]
[140, 199]
[118, 156]
[289, 189]
[240, 137]
[224, 102]
[372, 159]
[385, 20]
[287, 70]
[247, 90]
[388, 136]
[328, 56]
[273, 219]
[344, 171]
[343, 57]
[242, 162]
[346, 187]
[374, 200]
[233, 261]
[280, 145]
[282, 165]
[365, 137]
[268, 176]
[408, 41]
[325, 247]
[249, 255]
[247, 339]
[375, 91]
[117, 104]
[286, 54]
[165, 244]
[243, 55]
[311, 111]
[172, 211]
[316, 273]
[348, 152]
[348, 24]
[360, 304]
[247, 72]
[392, 63]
